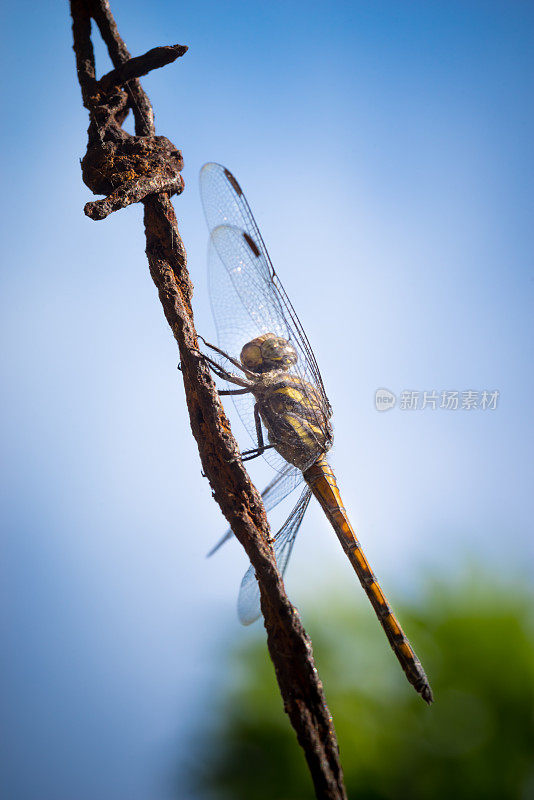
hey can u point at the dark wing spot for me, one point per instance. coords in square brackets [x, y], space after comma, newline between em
[252, 244]
[233, 181]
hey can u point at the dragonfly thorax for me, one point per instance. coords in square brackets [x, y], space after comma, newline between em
[268, 352]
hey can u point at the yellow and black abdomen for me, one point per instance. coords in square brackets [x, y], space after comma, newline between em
[323, 484]
[297, 420]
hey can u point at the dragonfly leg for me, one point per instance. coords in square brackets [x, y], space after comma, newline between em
[233, 361]
[259, 450]
[248, 455]
[259, 429]
[224, 374]
[221, 373]
[234, 391]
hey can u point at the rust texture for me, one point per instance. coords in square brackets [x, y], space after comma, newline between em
[146, 168]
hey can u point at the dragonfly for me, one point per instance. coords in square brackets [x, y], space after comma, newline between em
[266, 360]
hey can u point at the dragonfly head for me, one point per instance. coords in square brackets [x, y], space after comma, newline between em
[268, 352]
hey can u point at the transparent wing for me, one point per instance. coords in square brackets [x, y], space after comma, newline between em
[277, 490]
[246, 294]
[242, 309]
[225, 205]
[248, 601]
[238, 303]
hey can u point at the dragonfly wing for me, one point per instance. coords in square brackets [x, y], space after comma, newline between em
[247, 296]
[244, 305]
[226, 205]
[277, 490]
[280, 487]
[248, 601]
[239, 298]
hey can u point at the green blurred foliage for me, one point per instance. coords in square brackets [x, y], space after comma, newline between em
[476, 641]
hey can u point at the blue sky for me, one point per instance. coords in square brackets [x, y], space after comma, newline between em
[386, 151]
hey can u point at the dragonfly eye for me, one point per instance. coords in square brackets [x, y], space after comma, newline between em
[251, 356]
[268, 352]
